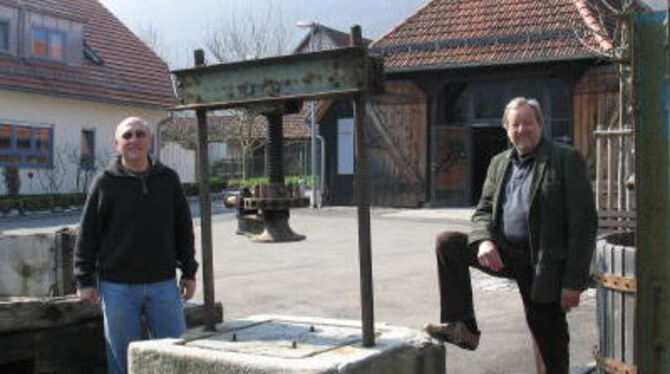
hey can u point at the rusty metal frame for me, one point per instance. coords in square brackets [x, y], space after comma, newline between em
[326, 74]
[271, 82]
[613, 366]
[616, 282]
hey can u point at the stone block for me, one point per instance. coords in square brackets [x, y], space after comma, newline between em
[27, 265]
[285, 344]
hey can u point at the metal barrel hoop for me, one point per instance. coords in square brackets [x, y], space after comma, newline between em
[612, 366]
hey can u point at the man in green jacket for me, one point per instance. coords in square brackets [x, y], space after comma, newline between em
[535, 223]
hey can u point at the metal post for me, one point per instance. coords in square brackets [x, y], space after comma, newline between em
[315, 195]
[205, 209]
[361, 186]
[652, 315]
[312, 129]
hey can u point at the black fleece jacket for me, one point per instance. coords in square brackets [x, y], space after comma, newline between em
[135, 230]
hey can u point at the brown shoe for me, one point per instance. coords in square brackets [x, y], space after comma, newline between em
[455, 333]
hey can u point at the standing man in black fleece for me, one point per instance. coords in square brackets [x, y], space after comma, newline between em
[135, 230]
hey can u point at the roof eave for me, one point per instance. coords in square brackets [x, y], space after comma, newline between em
[483, 64]
[89, 98]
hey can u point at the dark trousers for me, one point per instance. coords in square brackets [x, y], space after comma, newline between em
[546, 321]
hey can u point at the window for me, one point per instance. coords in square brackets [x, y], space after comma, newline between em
[4, 35]
[48, 43]
[345, 146]
[87, 156]
[26, 146]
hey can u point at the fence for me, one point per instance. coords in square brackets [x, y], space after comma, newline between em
[615, 166]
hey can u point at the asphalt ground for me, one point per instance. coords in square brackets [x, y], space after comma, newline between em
[319, 277]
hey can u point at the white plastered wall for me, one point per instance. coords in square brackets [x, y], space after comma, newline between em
[68, 118]
[180, 159]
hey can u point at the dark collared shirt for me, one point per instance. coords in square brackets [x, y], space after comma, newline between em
[516, 197]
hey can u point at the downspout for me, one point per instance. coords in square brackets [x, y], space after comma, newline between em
[21, 30]
[323, 160]
[158, 141]
[323, 168]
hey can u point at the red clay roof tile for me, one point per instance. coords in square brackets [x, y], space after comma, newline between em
[131, 73]
[486, 32]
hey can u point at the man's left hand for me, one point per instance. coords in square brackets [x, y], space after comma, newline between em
[187, 288]
[569, 299]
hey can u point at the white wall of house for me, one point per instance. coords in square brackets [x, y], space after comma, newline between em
[68, 117]
[180, 159]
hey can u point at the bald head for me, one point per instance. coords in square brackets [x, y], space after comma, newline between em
[131, 122]
[133, 141]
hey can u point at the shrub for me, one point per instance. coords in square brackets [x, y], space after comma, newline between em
[37, 202]
[41, 202]
[6, 205]
[190, 189]
[292, 179]
[12, 180]
[215, 185]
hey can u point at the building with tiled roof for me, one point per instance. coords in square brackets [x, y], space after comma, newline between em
[228, 134]
[69, 72]
[463, 60]
[224, 127]
[467, 33]
[321, 37]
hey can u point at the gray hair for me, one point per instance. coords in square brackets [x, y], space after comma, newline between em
[519, 101]
[130, 120]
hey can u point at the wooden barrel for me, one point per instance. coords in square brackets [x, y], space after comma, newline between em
[615, 312]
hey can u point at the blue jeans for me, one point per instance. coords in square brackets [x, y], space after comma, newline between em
[123, 305]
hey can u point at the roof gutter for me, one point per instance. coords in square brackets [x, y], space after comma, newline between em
[483, 64]
[63, 95]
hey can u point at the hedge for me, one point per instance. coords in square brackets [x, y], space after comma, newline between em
[42, 202]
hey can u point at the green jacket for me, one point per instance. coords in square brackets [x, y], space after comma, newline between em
[562, 219]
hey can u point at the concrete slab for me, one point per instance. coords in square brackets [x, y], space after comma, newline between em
[285, 344]
[433, 213]
[27, 265]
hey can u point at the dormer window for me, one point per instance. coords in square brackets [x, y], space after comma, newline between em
[48, 43]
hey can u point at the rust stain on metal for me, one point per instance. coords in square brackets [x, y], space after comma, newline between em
[308, 78]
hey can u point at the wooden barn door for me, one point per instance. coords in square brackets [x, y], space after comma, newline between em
[450, 165]
[397, 145]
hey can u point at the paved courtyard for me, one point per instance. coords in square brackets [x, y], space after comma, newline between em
[319, 277]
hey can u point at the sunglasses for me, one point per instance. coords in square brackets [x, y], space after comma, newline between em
[139, 134]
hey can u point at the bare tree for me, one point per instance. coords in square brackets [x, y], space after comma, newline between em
[51, 179]
[85, 169]
[153, 38]
[248, 36]
[242, 130]
[244, 37]
[246, 134]
[607, 32]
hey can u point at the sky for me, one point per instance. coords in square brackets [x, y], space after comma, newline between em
[182, 26]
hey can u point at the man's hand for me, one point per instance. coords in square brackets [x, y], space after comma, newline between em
[88, 294]
[488, 256]
[187, 288]
[569, 299]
